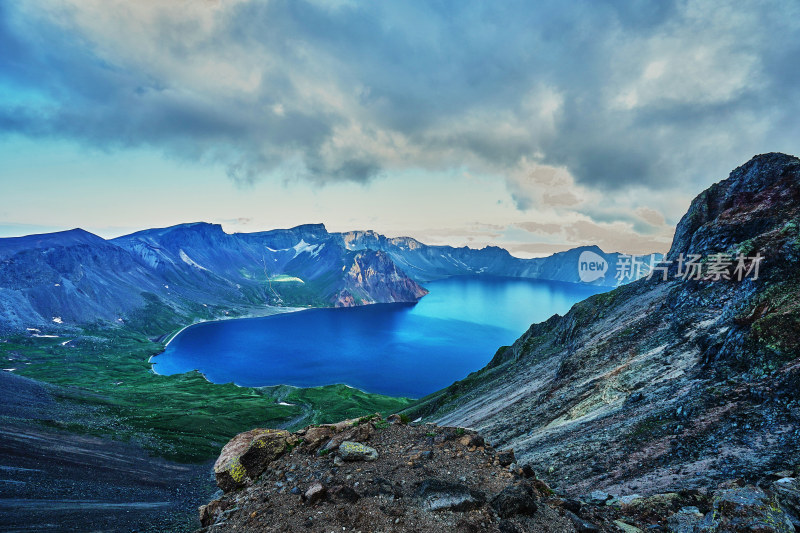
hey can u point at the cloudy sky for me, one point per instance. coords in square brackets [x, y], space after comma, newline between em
[534, 126]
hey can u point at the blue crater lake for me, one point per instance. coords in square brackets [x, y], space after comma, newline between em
[395, 349]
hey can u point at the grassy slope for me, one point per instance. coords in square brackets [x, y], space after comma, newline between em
[181, 417]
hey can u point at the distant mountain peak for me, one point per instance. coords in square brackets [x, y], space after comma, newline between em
[769, 159]
[196, 227]
[591, 248]
[12, 245]
[69, 234]
[76, 232]
[198, 264]
[315, 227]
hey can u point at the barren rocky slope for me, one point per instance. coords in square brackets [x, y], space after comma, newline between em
[663, 385]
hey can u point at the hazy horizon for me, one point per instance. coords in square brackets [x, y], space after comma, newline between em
[114, 233]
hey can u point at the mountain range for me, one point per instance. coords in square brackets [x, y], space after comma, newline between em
[159, 278]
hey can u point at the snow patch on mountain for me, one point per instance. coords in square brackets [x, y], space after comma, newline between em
[188, 260]
[304, 247]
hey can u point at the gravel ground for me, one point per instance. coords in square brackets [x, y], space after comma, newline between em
[425, 479]
[54, 480]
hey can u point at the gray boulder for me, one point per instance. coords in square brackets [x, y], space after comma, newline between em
[355, 451]
[438, 495]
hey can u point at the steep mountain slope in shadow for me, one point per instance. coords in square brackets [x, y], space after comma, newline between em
[662, 385]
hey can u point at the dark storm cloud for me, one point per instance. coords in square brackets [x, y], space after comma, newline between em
[619, 93]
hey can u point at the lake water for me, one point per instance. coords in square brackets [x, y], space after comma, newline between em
[395, 349]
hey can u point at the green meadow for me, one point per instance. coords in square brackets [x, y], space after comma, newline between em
[104, 381]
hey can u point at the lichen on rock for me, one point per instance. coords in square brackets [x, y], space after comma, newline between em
[247, 455]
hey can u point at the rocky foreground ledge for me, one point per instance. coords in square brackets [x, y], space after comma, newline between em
[375, 475]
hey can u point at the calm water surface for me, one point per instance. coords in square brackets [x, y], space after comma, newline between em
[394, 349]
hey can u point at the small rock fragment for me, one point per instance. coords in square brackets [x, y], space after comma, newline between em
[580, 524]
[506, 457]
[315, 493]
[210, 512]
[344, 493]
[527, 471]
[387, 487]
[438, 495]
[598, 497]
[628, 499]
[684, 522]
[316, 436]
[519, 498]
[627, 528]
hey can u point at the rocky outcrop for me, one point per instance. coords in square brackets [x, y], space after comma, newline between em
[787, 491]
[440, 479]
[663, 385]
[384, 476]
[373, 277]
[355, 451]
[247, 455]
[439, 495]
[750, 204]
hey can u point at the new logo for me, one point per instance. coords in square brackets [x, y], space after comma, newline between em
[591, 266]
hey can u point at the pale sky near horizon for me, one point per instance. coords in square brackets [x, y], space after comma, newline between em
[533, 127]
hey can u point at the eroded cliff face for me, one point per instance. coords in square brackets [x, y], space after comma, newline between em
[373, 277]
[663, 385]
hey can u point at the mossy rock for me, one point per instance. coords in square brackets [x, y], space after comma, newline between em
[247, 455]
[747, 509]
[355, 451]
